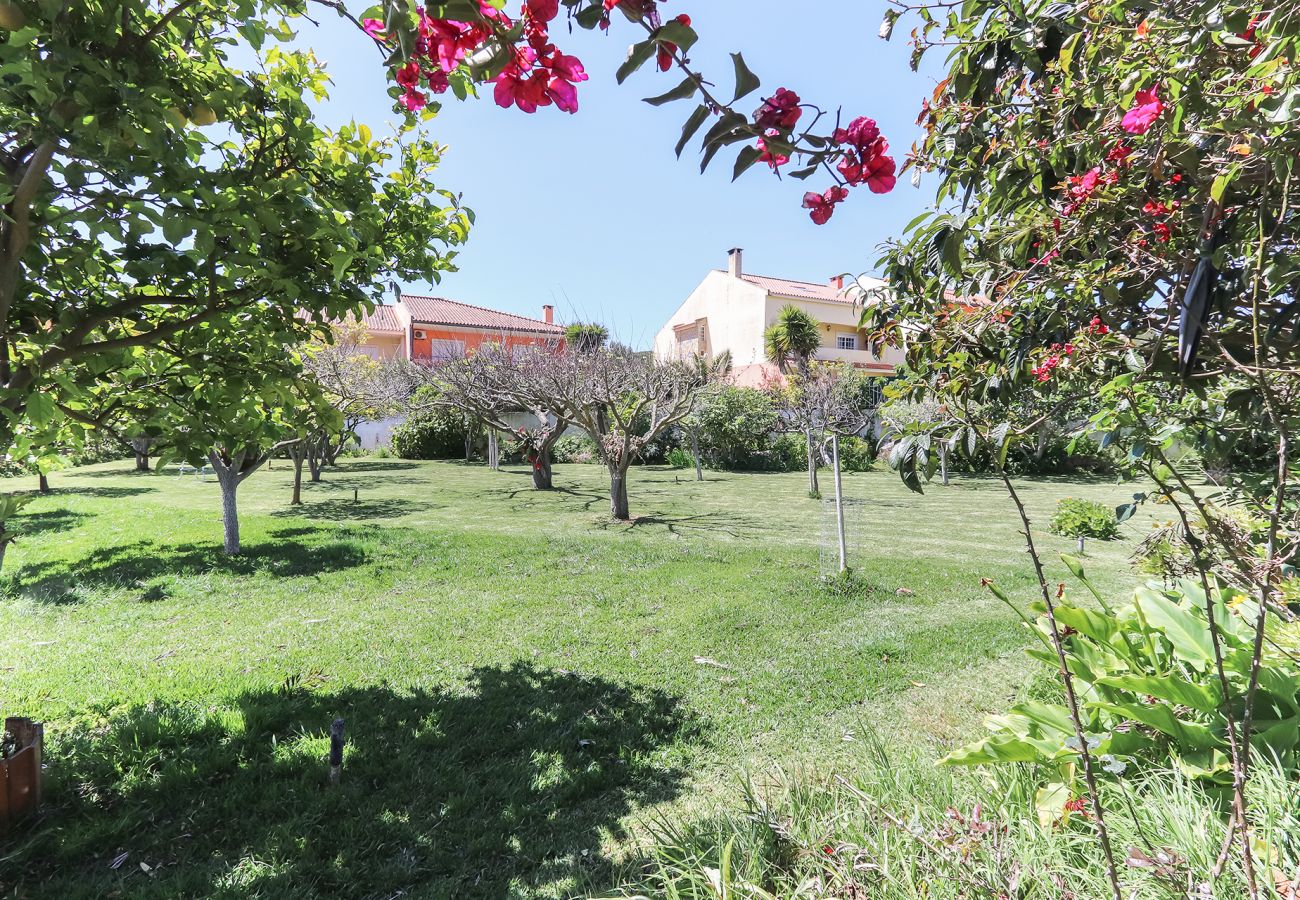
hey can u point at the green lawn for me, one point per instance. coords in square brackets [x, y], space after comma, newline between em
[523, 681]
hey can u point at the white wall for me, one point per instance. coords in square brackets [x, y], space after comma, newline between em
[734, 310]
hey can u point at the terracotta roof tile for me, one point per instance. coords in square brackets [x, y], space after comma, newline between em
[440, 311]
[382, 319]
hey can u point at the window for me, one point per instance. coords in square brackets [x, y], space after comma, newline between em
[441, 351]
[846, 342]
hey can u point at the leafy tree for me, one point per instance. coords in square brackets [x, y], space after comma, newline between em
[158, 194]
[711, 373]
[1117, 195]
[735, 424]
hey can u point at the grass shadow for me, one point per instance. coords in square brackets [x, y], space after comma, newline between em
[727, 523]
[139, 563]
[343, 510]
[48, 520]
[502, 787]
[374, 466]
[109, 493]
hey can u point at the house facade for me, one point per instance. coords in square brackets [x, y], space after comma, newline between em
[434, 328]
[730, 310]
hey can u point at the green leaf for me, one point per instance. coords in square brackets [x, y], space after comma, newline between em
[693, 123]
[41, 409]
[675, 32]
[746, 158]
[637, 55]
[683, 91]
[1189, 635]
[746, 81]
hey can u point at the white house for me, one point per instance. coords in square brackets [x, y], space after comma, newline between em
[731, 309]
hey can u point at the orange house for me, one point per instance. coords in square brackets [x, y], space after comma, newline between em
[430, 329]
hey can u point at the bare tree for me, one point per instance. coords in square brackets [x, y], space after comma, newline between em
[498, 382]
[625, 402]
[827, 402]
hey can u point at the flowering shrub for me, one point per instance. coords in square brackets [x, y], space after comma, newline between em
[1075, 517]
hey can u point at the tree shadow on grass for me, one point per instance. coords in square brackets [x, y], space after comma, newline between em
[374, 466]
[347, 509]
[109, 493]
[47, 520]
[724, 523]
[502, 787]
[137, 564]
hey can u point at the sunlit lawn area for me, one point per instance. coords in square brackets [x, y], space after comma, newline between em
[523, 681]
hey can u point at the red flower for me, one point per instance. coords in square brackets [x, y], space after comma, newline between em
[542, 10]
[1155, 208]
[861, 133]
[414, 100]
[408, 76]
[822, 206]
[781, 110]
[1119, 153]
[1147, 107]
[374, 28]
[1098, 327]
[775, 160]
[1162, 232]
[880, 174]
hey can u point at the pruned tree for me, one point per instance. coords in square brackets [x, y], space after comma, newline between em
[359, 386]
[624, 402]
[498, 381]
[826, 402]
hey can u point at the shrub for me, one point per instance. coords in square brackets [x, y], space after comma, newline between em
[1148, 690]
[434, 434]
[1084, 518]
[856, 454]
[680, 459]
[571, 449]
[736, 425]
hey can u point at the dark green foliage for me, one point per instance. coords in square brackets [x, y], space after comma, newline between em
[434, 433]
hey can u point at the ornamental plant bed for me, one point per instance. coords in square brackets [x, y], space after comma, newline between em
[20, 768]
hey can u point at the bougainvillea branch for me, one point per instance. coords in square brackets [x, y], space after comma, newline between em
[456, 46]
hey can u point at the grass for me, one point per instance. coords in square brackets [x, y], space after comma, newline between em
[524, 681]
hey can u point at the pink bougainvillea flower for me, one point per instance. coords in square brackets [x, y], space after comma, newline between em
[861, 133]
[543, 10]
[775, 160]
[408, 76]
[880, 174]
[822, 206]
[781, 110]
[414, 100]
[564, 94]
[1147, 107]
[374, 28]
[568, 67]
[1119, 153]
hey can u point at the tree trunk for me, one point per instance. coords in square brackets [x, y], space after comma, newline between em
[695, 451]
[4, 545]
[943, 462]
[140, 447]
[141, 461]
[542, 469]
[314, 462]
[297, 457]
[43, 482]
[618, 504]
[813, 490]
[839, 504]
[228, 478]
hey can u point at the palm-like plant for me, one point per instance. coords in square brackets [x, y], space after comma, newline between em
[790, 343]
[792, 339]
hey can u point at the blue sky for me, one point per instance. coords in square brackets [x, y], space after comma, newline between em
[593, 213]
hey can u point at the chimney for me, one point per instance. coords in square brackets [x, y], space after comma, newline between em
[548, 314]
[837, 282]
[734, 268]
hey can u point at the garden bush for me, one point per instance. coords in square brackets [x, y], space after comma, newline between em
[857, 454]
[680, 459]
[574, 449]
[736, 428]
[432, 434]
[1078, 518]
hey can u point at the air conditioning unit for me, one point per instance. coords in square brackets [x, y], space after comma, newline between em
[420, 335]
